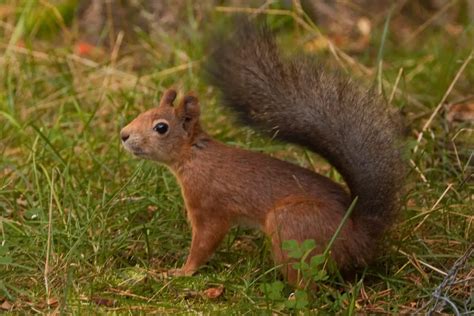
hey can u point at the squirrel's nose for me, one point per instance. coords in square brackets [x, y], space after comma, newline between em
[124, 136]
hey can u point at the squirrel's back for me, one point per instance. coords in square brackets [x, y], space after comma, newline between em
[297, 100]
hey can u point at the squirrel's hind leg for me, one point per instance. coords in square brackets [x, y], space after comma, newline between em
[301, 220]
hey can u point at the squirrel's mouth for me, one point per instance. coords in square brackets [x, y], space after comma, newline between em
[134, 150]
[137, 152]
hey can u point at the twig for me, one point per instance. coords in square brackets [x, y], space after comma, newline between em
[410, 257]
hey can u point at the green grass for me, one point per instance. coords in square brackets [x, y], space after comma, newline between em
[89, 228]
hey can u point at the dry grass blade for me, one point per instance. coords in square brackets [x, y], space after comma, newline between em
[443, 99]
[433, 208]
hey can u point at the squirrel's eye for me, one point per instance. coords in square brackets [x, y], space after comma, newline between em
[161, 128]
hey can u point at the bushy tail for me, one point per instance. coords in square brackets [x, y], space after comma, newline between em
[298, 101]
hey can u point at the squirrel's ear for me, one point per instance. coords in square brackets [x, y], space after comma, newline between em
[188, 111]
[168, 97]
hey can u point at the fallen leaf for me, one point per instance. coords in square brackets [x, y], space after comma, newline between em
[214, 292]
[6, 305]
[461, 112]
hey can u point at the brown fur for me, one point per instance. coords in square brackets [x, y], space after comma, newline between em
[297, 100]
[223, 186]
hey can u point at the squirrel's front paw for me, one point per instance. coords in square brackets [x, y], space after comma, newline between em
[180, 272]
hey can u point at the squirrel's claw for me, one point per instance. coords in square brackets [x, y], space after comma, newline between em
[180, 272]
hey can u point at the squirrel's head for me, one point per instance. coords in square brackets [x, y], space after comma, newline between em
[166, 132]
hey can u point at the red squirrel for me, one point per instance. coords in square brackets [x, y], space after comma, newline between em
[294, 100]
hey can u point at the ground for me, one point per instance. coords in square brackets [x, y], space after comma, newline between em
[85, 227]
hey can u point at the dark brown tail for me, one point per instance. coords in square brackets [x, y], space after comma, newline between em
[298, 101]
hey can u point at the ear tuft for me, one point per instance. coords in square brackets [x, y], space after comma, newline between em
[190, 106]
[168, 97]
[188, 111]
[190, 99]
